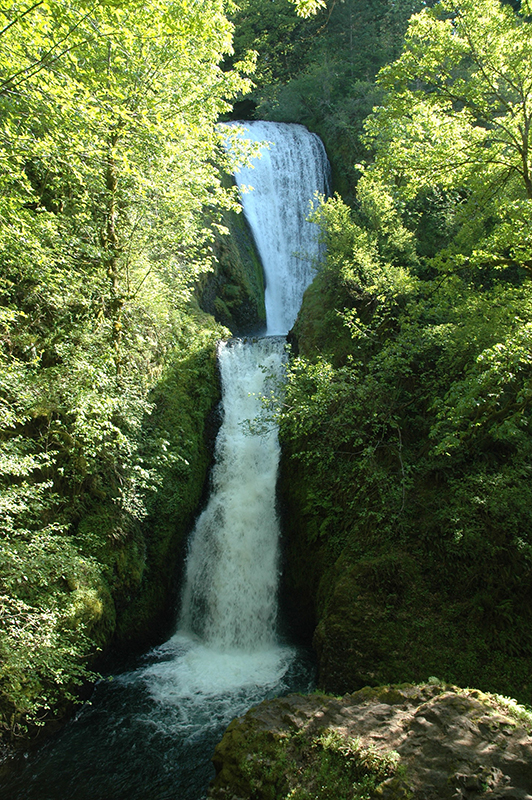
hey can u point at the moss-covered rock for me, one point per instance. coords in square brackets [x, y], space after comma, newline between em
[138, 560]
[179, 435]
[318, 327]
[376, 612]
[400, 742]
[234, 292]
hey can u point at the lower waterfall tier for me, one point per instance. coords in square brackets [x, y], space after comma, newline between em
[230, 591]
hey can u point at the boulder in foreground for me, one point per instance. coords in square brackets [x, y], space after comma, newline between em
[429, 742]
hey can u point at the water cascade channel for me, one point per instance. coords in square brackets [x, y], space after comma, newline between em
[149, 732]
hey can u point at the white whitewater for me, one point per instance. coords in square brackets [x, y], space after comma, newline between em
[291, 171]
[229, 601]
[230, 592]
[226, 637]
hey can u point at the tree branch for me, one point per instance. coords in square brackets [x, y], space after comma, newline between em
[20, 16]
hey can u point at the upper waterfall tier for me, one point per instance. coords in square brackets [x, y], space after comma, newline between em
[292, 169]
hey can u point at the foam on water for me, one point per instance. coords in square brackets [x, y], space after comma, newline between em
[193, 670]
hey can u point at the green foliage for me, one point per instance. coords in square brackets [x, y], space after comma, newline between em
[94, 503]
[111, 191]
[345, 768]
[408, 414]
[321, 766]
[509, 706]
[306, 8]
[276, 34]
[407, 411]
[456, 118]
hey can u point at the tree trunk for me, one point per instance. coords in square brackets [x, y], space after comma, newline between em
[112, 248]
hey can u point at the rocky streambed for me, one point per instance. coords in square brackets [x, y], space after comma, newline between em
[427, 742]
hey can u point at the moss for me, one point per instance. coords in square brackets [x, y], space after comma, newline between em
[115, 542]
[506, 705]
[379, 618]
[318, 328]
[299, 765]
[234, 292]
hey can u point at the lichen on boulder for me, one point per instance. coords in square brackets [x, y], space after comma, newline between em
[406, 742]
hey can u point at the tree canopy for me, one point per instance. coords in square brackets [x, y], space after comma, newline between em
[110, 189]
[457, 116]
[306, 8]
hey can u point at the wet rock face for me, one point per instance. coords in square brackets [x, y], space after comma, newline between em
[430, 742]
[234, 292]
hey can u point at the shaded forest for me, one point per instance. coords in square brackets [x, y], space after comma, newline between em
[405, 421]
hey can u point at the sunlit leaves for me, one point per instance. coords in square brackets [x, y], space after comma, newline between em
[457, 115]
[110, 177]
[306, 8]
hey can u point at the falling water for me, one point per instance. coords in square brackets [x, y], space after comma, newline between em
[286, 180]
[229, 598]
[150, 732]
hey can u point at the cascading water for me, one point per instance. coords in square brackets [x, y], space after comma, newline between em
[292, 169]
[150, 732]
[229, 598]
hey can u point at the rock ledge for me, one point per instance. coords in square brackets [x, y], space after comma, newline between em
[428, 742]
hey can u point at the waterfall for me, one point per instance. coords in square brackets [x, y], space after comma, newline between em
[291, 170]
[230, 593]
[229, 599]
[151, 730]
